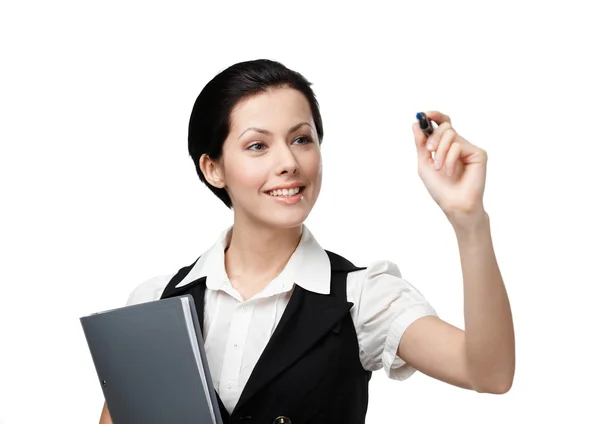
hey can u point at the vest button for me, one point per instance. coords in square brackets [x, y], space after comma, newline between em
[282, 420]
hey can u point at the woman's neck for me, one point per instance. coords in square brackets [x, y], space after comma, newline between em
[255, 255]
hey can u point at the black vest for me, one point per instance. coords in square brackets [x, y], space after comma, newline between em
[310, 370]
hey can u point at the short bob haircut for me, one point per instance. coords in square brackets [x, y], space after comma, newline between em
[210, 121]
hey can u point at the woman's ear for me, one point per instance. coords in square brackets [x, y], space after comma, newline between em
[212, 171]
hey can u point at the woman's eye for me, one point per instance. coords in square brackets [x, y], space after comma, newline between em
[261, 145]
[257, 147]
[306, 139]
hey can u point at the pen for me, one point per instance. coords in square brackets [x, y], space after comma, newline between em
[425, 124]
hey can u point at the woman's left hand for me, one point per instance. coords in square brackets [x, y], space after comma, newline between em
[455, 178]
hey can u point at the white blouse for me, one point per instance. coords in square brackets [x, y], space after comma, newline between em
[237, 331]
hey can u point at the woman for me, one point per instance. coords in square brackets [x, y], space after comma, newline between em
[293, 332]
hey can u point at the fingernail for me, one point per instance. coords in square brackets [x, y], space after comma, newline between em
[429, 146]
[436, 165]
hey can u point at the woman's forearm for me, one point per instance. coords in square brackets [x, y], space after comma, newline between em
[489, 332]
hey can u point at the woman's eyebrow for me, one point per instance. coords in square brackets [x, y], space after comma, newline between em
[262, 131]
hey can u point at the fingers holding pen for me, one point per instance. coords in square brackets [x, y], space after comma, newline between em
[440, 141]
[449, 149]
[438, 117]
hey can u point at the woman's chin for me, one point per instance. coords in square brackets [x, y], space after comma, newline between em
[273, 214]
[286, 219]
[290, 221]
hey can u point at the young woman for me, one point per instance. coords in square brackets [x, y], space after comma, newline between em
[292, 331]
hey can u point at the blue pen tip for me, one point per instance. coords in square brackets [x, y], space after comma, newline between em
[419, 116]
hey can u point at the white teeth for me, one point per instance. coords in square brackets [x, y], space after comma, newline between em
[285, 192]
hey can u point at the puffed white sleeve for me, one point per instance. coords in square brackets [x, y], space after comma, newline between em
[149, 290]
[385, 304]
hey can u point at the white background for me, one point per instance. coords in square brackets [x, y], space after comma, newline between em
[99, 193]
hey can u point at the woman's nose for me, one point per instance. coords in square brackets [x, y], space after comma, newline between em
[287, 162]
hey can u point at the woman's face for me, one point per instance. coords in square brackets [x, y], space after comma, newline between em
[272, 145]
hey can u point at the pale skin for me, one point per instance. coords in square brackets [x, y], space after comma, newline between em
[482, 356]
